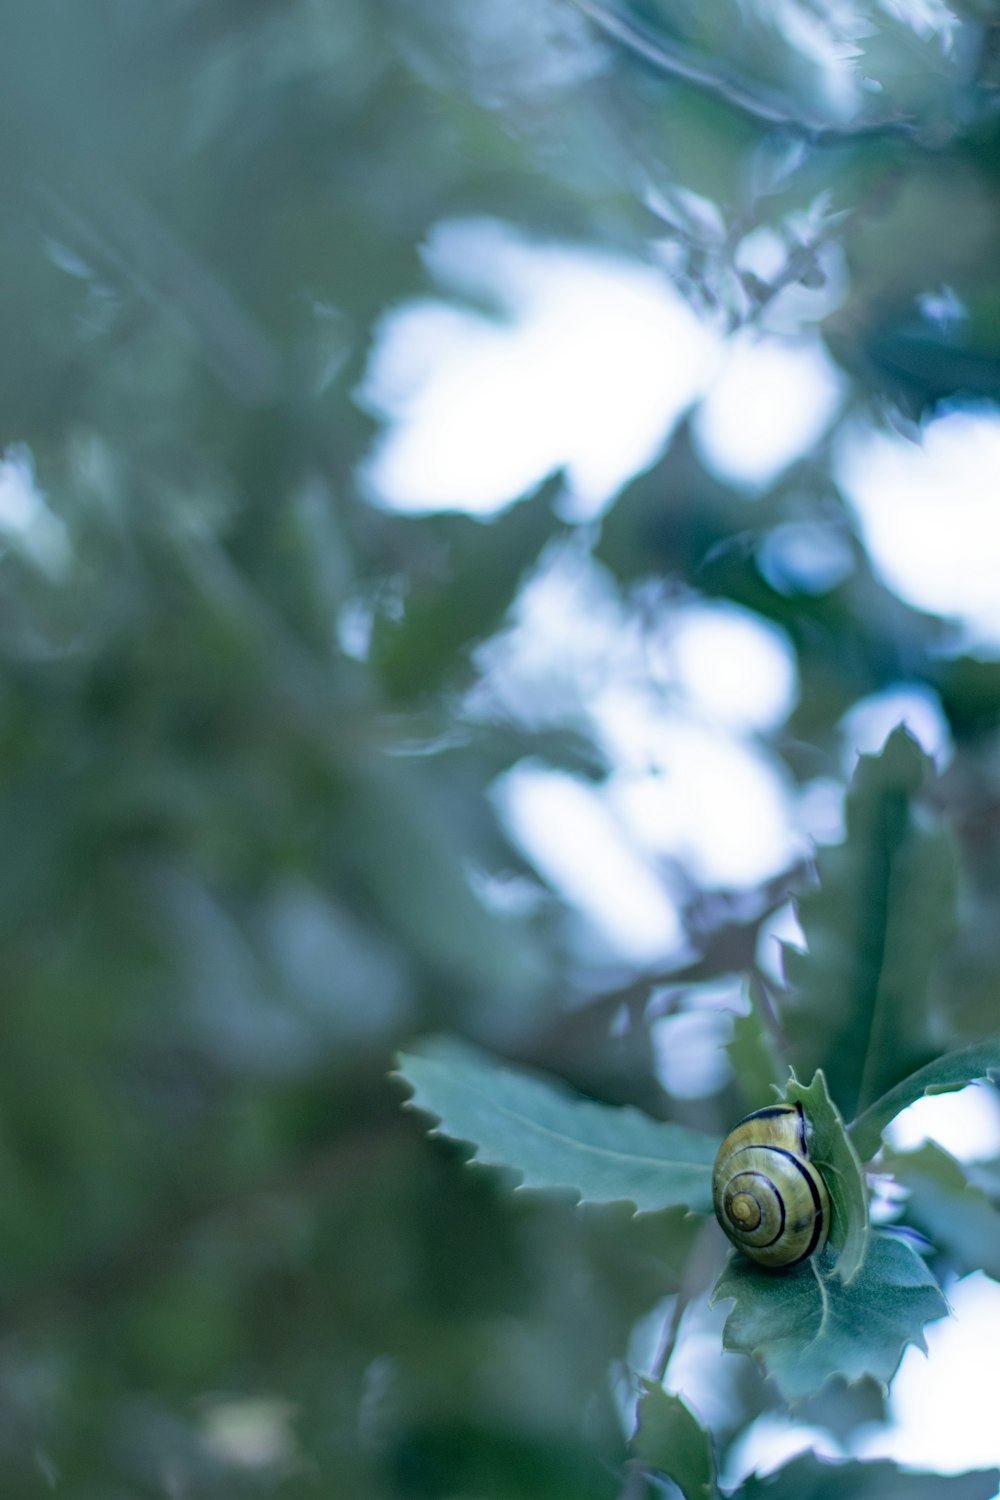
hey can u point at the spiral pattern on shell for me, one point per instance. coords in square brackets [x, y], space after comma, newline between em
[769, 1197]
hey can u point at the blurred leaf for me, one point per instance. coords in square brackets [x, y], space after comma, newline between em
[942, 1076]
[671, 1440]
[874, 931]
[956, 1215]
[831, 1150]
[598, 1153]
[924, 367]
[752, 1054]
[810, 1478]
[484, 562]
[804, 1326]
[246, 831]
[406, 842]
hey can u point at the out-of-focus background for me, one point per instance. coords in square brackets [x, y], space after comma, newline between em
[474, 477]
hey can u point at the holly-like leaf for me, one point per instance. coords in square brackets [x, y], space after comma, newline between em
[805, 1326]
[670, 1439]
[874, 929]
[810, 1478]
[944, 1205]
[942, 1076]
[831, 1150]
[599, 1153]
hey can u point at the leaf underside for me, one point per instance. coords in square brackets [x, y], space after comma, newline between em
[958, 1216]
[952, 1071]
[831, 1150]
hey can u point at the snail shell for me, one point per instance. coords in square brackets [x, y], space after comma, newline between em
[769, 1197]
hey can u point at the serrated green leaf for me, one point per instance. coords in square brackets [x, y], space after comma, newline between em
[670, 1439]
[836, 1158]
[752, 1054]
[874, 929]
[599, 1153]
[805, 1326]
[810, 1478]
[942, 1076]
[945, 1206]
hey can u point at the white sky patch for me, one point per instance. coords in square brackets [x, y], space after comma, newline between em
[25, 519]
[718, 805]
[564, 827]
[771, 1441]
[929, 515]
[782, 926]
[771, 403]
[944, 1405]
[866, 727]
[738, 668]
[575, 647]
[700, 1371]
[689, 1053]
[670, 701]
[569, 636]
[805, 557]
[821, 810]
[966, 1123]
[588, 364]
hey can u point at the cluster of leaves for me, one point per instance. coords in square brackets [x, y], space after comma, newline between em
[859, 1010]
[240, 792]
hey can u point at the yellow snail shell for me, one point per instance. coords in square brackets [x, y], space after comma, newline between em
[769, 1197]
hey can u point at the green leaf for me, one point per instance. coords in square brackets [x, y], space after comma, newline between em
[942, 1076]
[752, 1054]
[805, 1326]
[831, 1150]
[671, 1440]
[810, 1478]
[945, 1206]
[599, 1153]
[874, 930]
[484, 562]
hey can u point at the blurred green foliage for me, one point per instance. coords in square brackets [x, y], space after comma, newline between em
[238, 846]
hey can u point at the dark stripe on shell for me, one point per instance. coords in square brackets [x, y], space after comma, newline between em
[770, 1112]
[781, 1205]
[817, 1205]
[806, 1172]
[803, 1142]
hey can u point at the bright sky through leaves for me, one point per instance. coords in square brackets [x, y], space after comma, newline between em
[929, 512]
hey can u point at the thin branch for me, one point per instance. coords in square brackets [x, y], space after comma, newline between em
[700, 1271]
[702, 1268]
[756, 103]
[671, 1333]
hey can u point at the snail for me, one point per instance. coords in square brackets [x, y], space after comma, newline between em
[769, 1197]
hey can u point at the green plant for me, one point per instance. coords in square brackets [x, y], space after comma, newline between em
[255, 723]
[859, 1010]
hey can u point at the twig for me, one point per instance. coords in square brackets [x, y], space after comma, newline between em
[699, 1271]
[756, 103]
